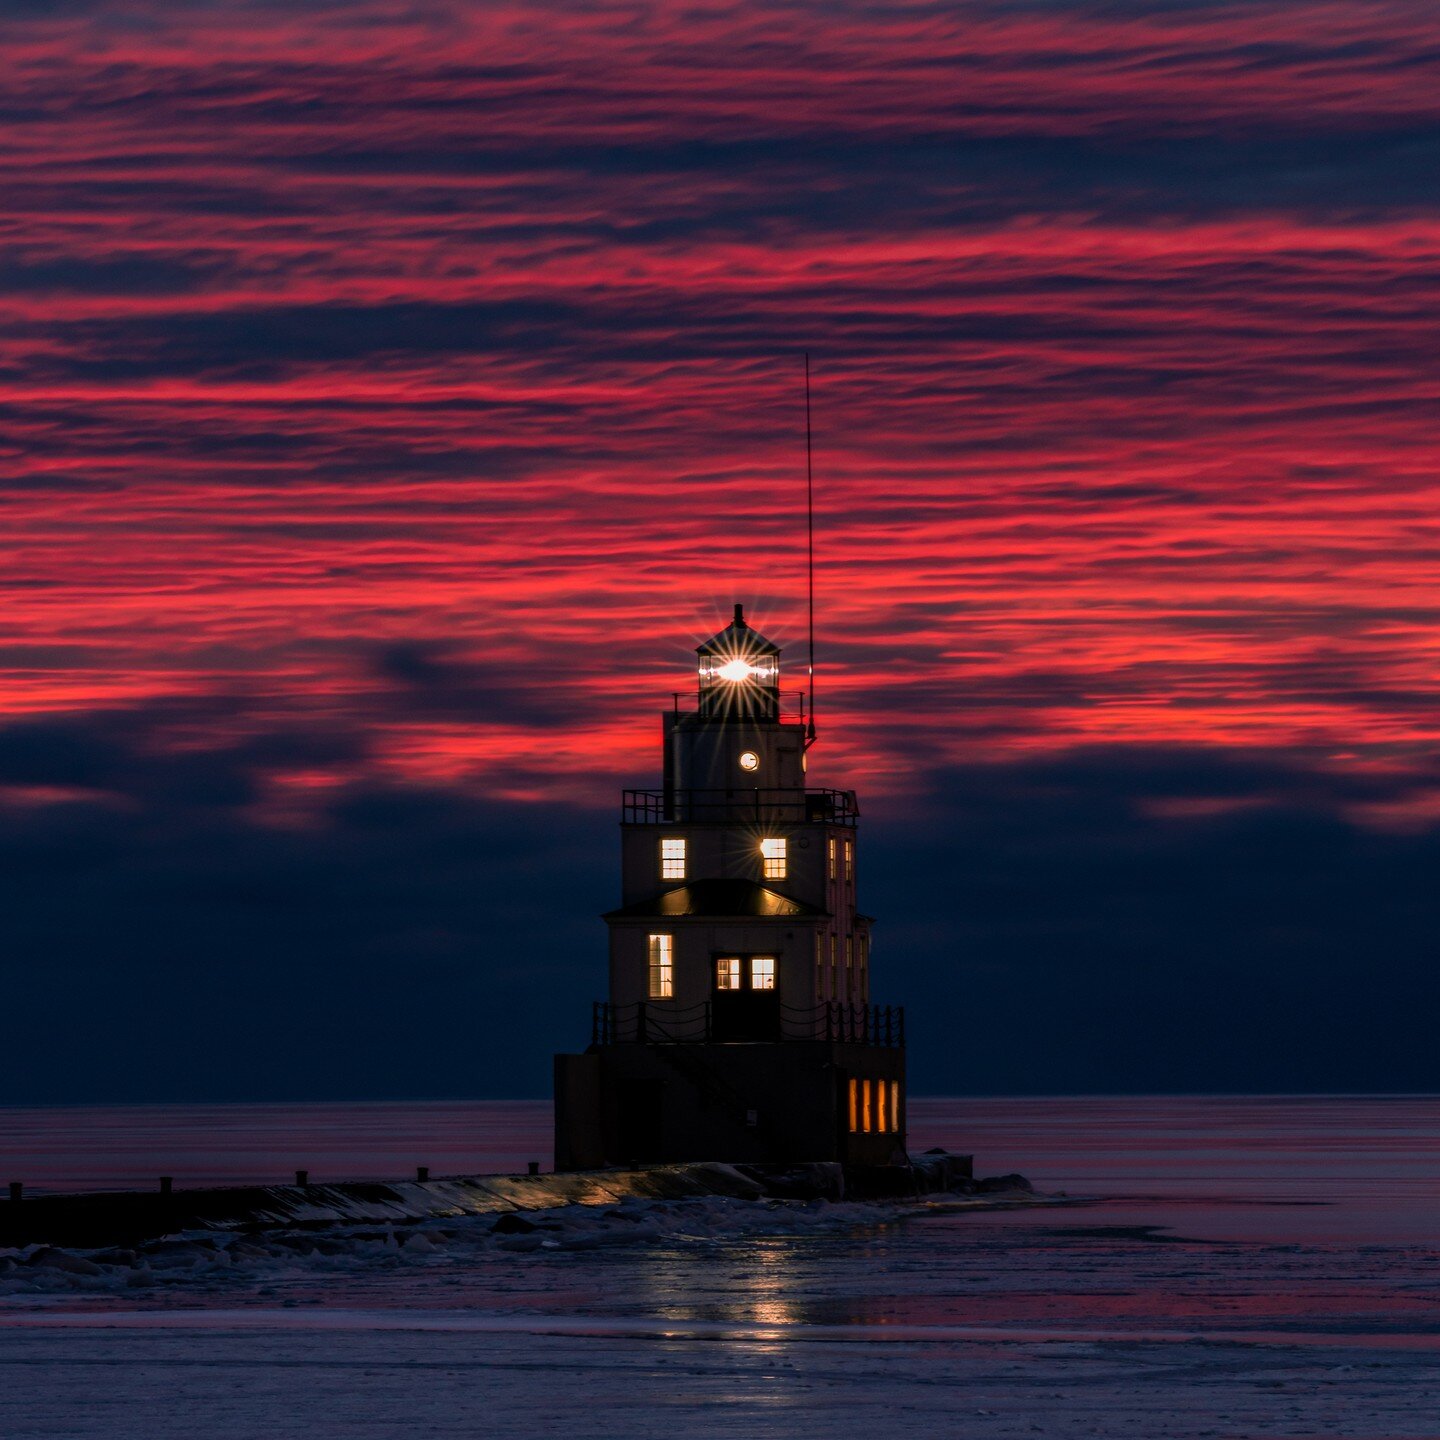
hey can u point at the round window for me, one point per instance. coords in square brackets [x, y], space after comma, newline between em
[749, 761]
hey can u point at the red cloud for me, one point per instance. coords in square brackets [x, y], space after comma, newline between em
[445, 324]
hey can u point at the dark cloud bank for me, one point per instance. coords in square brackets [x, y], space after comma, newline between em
[1094, 922]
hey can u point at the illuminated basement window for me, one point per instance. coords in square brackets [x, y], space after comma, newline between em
[672, 859]
[762, 972]
[662, 967]
[727, 972]
[773, 853]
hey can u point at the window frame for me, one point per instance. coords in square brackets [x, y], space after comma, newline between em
[774, 860]
[660, 965]
[669, 863]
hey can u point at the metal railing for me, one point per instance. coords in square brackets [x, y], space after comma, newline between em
[786, 706]
[658, 1022]
[794, 807]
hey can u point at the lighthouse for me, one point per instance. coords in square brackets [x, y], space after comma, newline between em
[739, 1024]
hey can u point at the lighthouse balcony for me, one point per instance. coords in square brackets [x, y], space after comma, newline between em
[708, 1023]
[783, 806]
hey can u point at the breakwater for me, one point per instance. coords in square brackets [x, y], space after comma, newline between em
[129, 1216]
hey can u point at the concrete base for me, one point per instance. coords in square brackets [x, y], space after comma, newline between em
[761, 1104]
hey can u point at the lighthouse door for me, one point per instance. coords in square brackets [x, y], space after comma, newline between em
[745, 1003]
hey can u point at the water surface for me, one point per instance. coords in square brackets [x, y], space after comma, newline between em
[1240, 1266]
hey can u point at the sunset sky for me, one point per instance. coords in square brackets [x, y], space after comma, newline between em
[391, 394]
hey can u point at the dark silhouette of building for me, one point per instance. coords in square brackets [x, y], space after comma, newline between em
[739, 1025]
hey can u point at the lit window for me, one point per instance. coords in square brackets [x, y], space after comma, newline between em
[850, 861]
[894, 1107]
[854, 1106]
[866, 1116]
[749, 761]
[662, 967]
[727, 972]
[773, 853]
[850, 967]
[672, 859]
[819, 965]
[762, 972]
[831, 853]
[881, 1112]
[834, 981]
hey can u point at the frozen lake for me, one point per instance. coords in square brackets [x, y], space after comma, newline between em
[1256, 1266]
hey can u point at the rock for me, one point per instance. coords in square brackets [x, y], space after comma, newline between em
[52, 1259]
[124, 1258]
[513, 1224]
[176, 1254]
[520, 1242]
[942, 1170]
[998, 1184]
[816, 1180]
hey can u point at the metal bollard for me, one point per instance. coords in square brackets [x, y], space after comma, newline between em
[166, 1181]
[302, 1177]
[422, 1173]
[534, 1167]
[16, 1189]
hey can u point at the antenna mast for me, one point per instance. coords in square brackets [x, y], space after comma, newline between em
[810, 552]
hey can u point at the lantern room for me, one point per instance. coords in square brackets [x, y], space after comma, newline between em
[739, 673]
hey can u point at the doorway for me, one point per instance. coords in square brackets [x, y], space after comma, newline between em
[745, 998]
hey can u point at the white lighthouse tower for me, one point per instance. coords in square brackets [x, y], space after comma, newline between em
[739, 1024]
